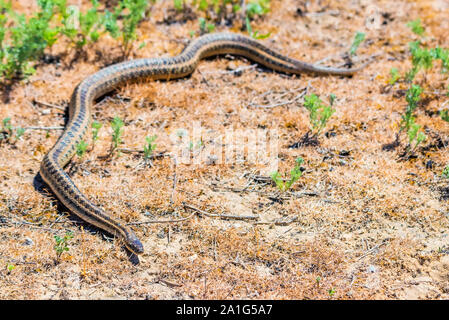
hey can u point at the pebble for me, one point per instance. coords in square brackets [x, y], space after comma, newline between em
[212, 159]
[28, 242]
[372, 269]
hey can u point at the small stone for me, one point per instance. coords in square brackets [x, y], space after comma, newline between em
[212, 159]
[28, 242]
[372, 269]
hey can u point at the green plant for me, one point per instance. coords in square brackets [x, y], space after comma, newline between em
[149, 147]
[179, 4]
[117, 131]
[96, 126]
[445, 172]
[295, 174]
[422, 58]
[81, 28]
[254, 34]
[27, 39]
[416, 27]
[444, 114]
[205, 27]
[81, 148]
[415, 137]
[319, 114]
[412, 97]
[131, 13]
[257, 7]
[358, 39]
[394, 76]
[7, 131]
[443, 55]
[61, 243]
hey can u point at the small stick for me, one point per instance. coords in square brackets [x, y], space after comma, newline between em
[46, 104]
[175, 179]
[221, 216]
[160, 221]
[372, 250]
[278, 222]
[153, 156]
[44, 128]
[168, 283]
[239, 69]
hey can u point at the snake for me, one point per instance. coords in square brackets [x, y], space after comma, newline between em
[164, 68]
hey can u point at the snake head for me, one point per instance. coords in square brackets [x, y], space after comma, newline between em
[133, 244]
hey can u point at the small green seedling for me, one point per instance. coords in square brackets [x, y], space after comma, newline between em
[205, 27]
[149, 147]
[295, 174]
[61, 245]
[444, 114]
[179, 4]
[422, 58]
[7, 131]
[10, 268]
[81, 148]
[117, 131]
[416, 27]
[445, 173]
[358, 39]
[319, 114]
[96, 126]
[254, 34]
[412, 97]
[394, 76]
[257, 7]
[415, 136]
[130, 13]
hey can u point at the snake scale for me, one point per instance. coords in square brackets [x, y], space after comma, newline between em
[109, 78]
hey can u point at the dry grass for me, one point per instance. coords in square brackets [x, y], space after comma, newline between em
[376, 228]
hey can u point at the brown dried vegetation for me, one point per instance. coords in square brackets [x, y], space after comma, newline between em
[366, 224]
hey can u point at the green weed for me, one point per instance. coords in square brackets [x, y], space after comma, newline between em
[445, 173]
[81, 148]
[96, 126]
[25, 41]
[81, 28]
[394, 76]
[117, 131]
[131, 13]
[149, 147]
[358, 39]
[416, 27]
[9, 133]
[62, 244]
[319, 113]
[295, 174]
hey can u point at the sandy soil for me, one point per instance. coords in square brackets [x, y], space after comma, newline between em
[361, 223]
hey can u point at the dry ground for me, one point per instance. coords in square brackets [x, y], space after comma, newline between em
[360, 224]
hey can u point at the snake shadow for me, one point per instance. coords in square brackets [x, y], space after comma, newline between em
[41, 187]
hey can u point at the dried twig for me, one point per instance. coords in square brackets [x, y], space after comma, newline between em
[221, 216]
[44, 128]
[373, 249]
[279, 222]
[46, 104]
[161, 221]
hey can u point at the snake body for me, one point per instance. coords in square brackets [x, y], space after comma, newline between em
[109, 78]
